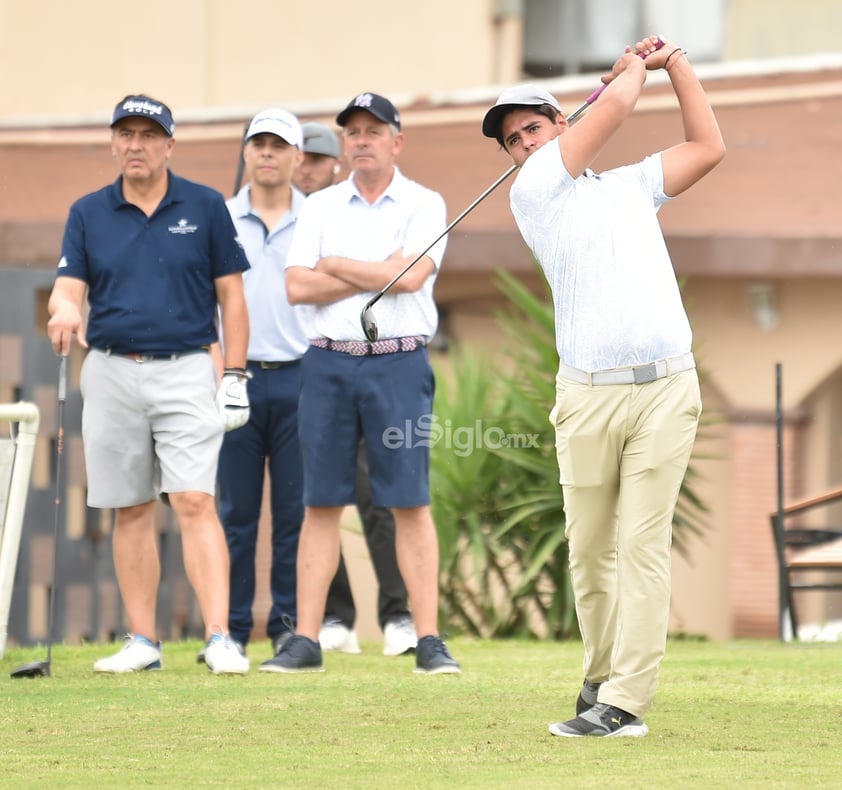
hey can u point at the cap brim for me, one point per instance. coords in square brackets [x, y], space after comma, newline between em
[342, 118]
[491, 122]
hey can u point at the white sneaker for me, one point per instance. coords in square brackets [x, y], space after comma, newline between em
[335, 635]
[137, 654]
[224, 656]
[399, 636]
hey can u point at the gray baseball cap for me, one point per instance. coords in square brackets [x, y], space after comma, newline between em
[527, 95]
[319, 139]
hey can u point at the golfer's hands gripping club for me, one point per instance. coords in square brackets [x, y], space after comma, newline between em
[642, 49]
[652, 50]
[232, 398]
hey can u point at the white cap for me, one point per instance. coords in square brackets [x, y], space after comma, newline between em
[516, 96]
[281, 123]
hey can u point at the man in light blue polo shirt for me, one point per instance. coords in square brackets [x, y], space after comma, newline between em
[155, 254]
[264, 213]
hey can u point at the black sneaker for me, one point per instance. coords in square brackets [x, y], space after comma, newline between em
[432, 657]
[297, 654]
[601, 720]
[587, 697]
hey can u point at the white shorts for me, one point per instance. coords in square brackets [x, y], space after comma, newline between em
[148, 427]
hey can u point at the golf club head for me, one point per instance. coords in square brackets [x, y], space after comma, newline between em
[34, 669]
[368, 323]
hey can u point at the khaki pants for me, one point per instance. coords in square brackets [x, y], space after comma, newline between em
[622, 453]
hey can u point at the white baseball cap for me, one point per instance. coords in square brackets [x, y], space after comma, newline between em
[281, 123]
[517, 96]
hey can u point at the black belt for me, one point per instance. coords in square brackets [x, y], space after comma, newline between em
[156, 357]
[264, 365]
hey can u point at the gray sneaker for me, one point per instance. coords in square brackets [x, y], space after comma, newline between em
[601, 720]
[297, 654]
[587, 696]
[433, 658]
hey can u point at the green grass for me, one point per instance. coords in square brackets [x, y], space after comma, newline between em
[742, 714]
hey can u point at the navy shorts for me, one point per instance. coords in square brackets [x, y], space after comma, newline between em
[388, 400]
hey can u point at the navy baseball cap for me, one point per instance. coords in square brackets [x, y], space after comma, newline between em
[141, 106]
[379, 106]
[516, 96]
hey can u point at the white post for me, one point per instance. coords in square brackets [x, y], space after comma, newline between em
[28, 418]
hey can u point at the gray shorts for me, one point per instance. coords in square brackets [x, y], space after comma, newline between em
[148, 427]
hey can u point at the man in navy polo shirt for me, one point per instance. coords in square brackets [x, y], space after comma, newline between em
[155, 253]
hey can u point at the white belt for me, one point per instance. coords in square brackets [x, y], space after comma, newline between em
[637, 374]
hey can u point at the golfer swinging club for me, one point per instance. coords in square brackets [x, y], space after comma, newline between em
[627, 394]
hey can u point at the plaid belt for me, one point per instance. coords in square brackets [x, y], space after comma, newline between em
[364, 348]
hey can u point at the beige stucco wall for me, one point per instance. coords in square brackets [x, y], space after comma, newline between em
[740, 356]
[76, 59]
[69, 60]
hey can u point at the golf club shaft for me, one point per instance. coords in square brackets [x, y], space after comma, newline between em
[62, 397]
[376, 298]
[241, 164]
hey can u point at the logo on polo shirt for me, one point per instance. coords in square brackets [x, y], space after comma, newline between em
[183, 226]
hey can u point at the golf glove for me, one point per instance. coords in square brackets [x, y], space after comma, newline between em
[232, 399]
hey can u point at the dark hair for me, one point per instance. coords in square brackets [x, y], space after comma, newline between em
[546, 110]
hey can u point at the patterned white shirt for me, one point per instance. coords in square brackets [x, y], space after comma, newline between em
[597, 238]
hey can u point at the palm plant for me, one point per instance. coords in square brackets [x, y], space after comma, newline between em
[496, 499]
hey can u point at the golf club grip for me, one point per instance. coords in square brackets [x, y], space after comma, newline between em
[62, 379]
[596, 94]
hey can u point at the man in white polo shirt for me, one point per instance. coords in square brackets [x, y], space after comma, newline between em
[352, 239]
[317, 170]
